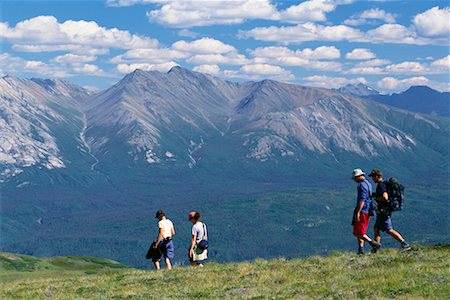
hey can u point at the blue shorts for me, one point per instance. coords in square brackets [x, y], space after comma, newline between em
[168, 252]
[384, 223]
[164, 248]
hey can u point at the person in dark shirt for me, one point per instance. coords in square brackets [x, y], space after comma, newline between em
[384, 220]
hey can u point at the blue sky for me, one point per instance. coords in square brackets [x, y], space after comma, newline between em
[388, 45]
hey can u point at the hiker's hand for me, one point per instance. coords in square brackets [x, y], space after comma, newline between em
[358, 215]
[191, 253]
[155, 246]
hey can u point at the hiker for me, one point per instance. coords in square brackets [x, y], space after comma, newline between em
[197, 255]
[361, 216]
[384, 220]
[164, 241]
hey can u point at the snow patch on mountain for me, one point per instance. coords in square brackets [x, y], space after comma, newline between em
[29, 110]
[25, 138]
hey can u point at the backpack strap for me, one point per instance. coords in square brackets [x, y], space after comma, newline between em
[205, 235]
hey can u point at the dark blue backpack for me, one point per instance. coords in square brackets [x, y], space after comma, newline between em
[396, 192]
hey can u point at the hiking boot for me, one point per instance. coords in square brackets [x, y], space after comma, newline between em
[406, 247]
[360, 252]
[375, 246]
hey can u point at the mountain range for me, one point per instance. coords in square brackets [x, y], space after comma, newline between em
[71, 158]
[421, 99]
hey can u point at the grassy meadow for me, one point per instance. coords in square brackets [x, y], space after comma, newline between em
[423, 273]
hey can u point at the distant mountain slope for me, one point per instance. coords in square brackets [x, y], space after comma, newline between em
[420, 99]
[360, 90]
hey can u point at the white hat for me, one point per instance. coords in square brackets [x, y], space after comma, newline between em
[357, 172]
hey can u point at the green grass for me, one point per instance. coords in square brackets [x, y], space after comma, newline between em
[17, 266]
[423, 273]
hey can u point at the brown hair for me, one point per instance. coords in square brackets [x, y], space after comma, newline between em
[196, 216]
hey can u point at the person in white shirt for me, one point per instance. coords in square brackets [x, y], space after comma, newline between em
[164, 241]
[197, 256]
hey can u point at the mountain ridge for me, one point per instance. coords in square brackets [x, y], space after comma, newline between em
[162, 117]
[420, 99]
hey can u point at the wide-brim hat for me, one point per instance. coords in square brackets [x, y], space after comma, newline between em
[357, 172]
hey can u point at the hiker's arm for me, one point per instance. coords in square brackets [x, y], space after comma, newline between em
[358, 209]
[383, 197]
[160, 237]
[191, 249]
[173, 231]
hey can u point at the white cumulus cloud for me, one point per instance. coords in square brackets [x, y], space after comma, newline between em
[89, 69]
[373, 63]
[149, 56]
[393, 84]
[360, 54]
[303, 33]
[208, 69]
[393, 33]
[16, 65]
[434, 22]
[306, 58]
[314, 10]
[203, 46]
[371, 14]
[185, 14]
[128, 68]
[332, 82]
[219, 59]
[73, 58]
[46, 32]
[322, 52]
[407, 67]
[260, 71]
[442, 64]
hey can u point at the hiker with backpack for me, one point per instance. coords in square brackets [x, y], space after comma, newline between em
[198, 251]
[385, 206]
[361, 216]
[163, 246]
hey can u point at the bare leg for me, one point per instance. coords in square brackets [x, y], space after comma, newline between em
[360, 242]
[168, 264]
[396, 235]
[377, 236]
[366, 238]
[157, 265]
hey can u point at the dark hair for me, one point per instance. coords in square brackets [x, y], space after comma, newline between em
[196, 216]
[160, 214]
